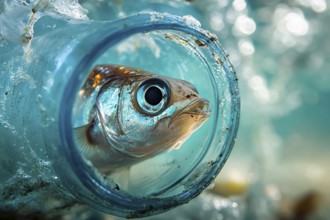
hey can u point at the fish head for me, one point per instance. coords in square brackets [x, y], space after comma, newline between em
[148, 114]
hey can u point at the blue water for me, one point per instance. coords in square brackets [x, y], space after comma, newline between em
[280, 50]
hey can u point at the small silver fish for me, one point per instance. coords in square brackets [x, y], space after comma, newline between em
[136, 116]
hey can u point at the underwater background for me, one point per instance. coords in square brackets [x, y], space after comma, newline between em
[279, 166]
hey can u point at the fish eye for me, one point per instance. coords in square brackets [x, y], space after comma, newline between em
[153, 96]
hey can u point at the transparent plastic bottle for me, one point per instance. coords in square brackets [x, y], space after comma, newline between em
[42, 168]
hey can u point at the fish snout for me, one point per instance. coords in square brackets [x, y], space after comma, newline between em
[199, 106]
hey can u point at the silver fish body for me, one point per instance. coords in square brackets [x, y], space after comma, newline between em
[136, 115]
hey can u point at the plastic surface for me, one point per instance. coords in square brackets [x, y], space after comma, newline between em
[40, 86]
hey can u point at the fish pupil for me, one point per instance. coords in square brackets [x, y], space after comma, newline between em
[153, 95]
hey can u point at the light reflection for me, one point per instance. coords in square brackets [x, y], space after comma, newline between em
[316, 5]
[246, 47]
[239, 5]
[291, 21]
[292, 29]
[258, 85]
[222, 3]
[217, 22]
[319, 5]
[296, 24]
[245, 25]
[273, 192]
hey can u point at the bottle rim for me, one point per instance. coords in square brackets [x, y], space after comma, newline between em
[108, 199]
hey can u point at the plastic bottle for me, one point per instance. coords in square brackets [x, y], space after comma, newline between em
[42, 169]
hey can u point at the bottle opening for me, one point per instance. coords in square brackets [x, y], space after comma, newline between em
[153, 117]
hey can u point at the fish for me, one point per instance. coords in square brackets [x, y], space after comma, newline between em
[136, 115]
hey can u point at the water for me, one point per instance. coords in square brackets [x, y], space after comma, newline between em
[280, 51]
[282, 145]
[281, 54]
[38, 119]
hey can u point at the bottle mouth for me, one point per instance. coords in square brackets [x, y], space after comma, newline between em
[171, 46]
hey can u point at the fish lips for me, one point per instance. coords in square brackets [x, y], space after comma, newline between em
[200, 107]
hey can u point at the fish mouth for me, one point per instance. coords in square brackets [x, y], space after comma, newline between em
[199, 107]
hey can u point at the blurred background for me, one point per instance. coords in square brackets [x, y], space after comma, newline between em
[279, 166]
